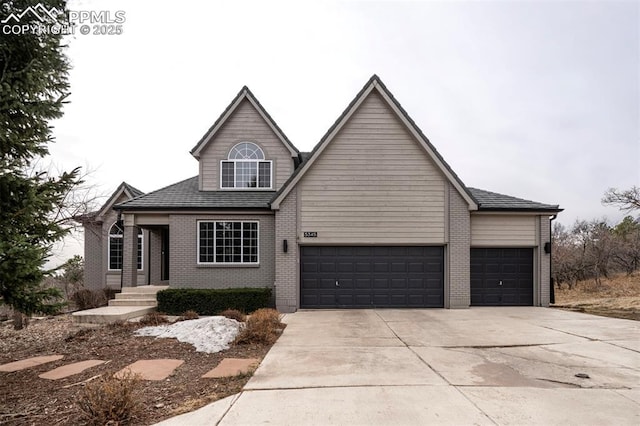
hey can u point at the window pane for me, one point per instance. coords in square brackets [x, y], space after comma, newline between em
[206, 242]
[139, 250]
[264, 174]
[116, 229]
[250, 242]
[115, 252]
[246, 151]
[227, 174]
[235, 242]
[246, 174]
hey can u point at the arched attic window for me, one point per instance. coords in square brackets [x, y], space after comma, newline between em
[116, 247]
[245, 168]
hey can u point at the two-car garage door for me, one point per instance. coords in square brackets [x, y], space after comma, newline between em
[371, 276]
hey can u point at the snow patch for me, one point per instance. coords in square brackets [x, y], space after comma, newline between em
[210, 335]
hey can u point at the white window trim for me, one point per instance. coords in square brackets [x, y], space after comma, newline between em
[109, 236]
[257, 188]
[241, 263]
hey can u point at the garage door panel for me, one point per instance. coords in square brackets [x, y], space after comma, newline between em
[418, 283]
[416, 267]
[363, 267]
[398, 267]
[399, 283]
[502, 276]
[380, 283]
[363, 283]
[345, 267]
[327, 283]
[378, 277]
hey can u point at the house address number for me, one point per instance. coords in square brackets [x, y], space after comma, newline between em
[310, 234]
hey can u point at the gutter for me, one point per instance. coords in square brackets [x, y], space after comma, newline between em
[552, 294]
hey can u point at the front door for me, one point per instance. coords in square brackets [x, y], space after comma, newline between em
[164, 258]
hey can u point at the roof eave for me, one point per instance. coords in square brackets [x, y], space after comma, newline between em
[552, 209]
[124, 208]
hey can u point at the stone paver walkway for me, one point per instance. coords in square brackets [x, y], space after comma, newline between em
[70, 369]
[152, 369]
[146, 369]
[28, 363]
[230, 367]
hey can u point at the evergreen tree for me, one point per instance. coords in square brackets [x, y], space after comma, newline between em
[33, 87]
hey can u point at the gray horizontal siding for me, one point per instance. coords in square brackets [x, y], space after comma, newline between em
[503, 231]
[373, 184]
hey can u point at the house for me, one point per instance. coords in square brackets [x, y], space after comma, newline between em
[372, 217]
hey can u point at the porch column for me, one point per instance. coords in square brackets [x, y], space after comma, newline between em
[155, 256]
[129, 252]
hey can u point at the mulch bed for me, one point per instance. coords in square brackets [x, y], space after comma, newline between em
[26, 399]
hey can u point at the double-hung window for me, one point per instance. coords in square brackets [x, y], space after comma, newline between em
[227, 242]
[245, 168]
[116, 248]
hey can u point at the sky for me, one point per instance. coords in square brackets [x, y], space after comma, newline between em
[539, 100]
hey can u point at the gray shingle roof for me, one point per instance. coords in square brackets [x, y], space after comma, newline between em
[499, 202]
[185, 195]
[135, 192]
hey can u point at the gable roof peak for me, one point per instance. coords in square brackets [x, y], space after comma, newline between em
[244, 93]
[376, 83]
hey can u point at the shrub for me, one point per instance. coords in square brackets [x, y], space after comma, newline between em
[263, 327]
[154, 318]
[111, 400]
[174, 301]
[88, 299]
[110, 293]
[234, 314]
[188, 315]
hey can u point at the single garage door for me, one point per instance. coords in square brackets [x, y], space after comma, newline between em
[371, 277]
[501, 276]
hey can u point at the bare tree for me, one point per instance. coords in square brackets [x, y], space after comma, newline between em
[627, 253]
[626, 200]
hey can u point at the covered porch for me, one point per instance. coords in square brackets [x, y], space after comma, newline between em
[155, 250]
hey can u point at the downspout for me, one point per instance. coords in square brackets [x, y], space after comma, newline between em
[147, 270]
[119, 219]
[552, 294]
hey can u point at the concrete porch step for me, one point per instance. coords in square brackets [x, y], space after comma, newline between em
[146, 289]
[110, 314]
[133, 302]
[133, 296]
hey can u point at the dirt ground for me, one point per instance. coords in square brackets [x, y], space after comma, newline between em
[26, 399]
[617, 297]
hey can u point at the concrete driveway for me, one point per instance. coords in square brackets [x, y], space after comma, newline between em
[505, 366]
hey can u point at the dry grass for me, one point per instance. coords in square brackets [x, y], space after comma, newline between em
[111, 400]
[188, 315]
[263, 327]
[617, 297]
[234, 314]
[88, 299]
[154, 318]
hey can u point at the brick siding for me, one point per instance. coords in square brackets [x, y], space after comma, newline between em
[287, 264]
[459, 251]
